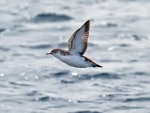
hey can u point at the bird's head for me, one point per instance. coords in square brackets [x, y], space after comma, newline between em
[54, 52]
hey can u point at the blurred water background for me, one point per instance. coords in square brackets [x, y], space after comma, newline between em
[31, 82]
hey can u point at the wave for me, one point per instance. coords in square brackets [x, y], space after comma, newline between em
[2, 30]
[85, 112]
[19, 84]
[4, 49]
[66, 81]
[103, 75]
[140, 99]
[135, 37]
[59, 74]
[108, 24]
[38, 46]
[50, 17]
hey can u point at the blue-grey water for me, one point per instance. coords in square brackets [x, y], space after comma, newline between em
[31, 82]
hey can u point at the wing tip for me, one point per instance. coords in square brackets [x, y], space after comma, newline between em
[87, 26]
[87, 22]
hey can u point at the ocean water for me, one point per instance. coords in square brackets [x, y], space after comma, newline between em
[31, 82]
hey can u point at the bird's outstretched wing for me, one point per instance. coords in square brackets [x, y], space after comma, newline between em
[78, 42]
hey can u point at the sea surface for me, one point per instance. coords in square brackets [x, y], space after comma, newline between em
[119, 40]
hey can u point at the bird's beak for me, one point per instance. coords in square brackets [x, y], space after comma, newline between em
[48, 53]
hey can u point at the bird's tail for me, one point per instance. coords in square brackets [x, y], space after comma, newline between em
[96, 65]
[92, 63]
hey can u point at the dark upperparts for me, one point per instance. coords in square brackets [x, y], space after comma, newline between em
[93, 63]
[63, 52]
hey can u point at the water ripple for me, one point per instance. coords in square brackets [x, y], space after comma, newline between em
[44, 98]
[136, 37]
[38, 46]
[58, 74]
[66, 81]
[124, 45]
[85, 112]
[50, 17]
[127, 107]
[103, 75]
[140, 73]
[2, 30]
[4, 49]
[108, 24]
[32, 93]
[140, 99]
[19, 84]
[2, 60]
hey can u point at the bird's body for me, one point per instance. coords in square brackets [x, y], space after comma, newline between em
[77, 46]
[74, 60]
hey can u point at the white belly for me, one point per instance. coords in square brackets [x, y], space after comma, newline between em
[75, 61]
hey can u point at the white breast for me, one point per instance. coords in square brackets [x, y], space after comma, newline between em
[75, 61]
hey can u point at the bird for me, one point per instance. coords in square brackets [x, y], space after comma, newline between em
[77, 45]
